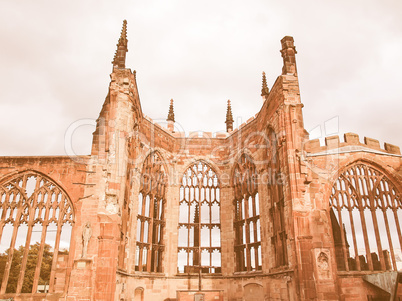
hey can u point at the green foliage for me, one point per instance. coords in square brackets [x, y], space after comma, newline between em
[31, 265]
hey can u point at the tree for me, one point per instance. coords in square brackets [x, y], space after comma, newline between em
[32, 261]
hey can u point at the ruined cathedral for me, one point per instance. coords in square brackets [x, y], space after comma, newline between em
[258, 212]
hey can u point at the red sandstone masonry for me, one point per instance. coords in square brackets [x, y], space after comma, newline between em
[104, 189]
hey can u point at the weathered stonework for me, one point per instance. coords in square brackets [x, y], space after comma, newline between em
[294, 240]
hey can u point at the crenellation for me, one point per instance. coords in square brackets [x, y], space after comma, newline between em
[351, 144]
[393, 149]
[372, 143]
[332, 142]
[351, 138]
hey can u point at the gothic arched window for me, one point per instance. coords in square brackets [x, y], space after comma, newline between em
[199, 221]
[35, 230]
[276, 195]
[365, 211]
[150, 218]
[247, 216]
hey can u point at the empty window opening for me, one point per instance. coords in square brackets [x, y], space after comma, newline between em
[150, 218]
[199, 245]
[366, 214]
[247, 218]
[277, 203]
[35, 230]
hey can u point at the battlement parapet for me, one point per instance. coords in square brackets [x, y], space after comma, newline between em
[350, 139]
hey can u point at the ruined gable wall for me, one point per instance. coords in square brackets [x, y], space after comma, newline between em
[178, 152]
[322, 166]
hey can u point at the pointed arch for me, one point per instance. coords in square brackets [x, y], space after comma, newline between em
[151, 216]
[237, 158]
[214, 167]
[366, 215]
[247, 215]
[36, 219]
[199, 220]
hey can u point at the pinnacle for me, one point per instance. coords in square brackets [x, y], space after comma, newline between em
[229, 118]
[123, 35]
[264, 90]
[119, 59]
[171, 112]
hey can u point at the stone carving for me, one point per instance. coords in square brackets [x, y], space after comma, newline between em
[322, 262]
[86, 236]
[323, 267]
[111, 205]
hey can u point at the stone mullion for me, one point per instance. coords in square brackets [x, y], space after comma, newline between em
[140, 253]
[256, 262]
[363, 221]
[188, 224]
[371, 195]
[188, 221]
[377, 236]
[365, 236]
[247, 224]
[398, 225]
[24, 258]
[343, 238]
[55, 255]
[141, 239]
[5, 209]
[7, 267]
[45, 224]
[197, 227]
[3, 215]
[2, 224]
[132, 227]
[150, 230]
[352, 225]
[242, 254]
[389, 239]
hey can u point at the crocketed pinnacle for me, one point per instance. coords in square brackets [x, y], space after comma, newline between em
[229, 118]
[171, 112]
[264, 90]
[119, 59]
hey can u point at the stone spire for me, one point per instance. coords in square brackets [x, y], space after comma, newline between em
[171, 112]
[264, 90]
[289, 56]
[119, 60]
[229, 118]
[170, 118]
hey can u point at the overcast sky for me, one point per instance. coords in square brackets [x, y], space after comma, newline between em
[55, 58]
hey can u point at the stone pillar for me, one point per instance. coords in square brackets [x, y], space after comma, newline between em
[108, 242]
[289, 56]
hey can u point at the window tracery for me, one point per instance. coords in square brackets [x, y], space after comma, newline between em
[276, 195]
[247, 216]
[365, 211]
[35, 230]
[150, 218]
[199, 243]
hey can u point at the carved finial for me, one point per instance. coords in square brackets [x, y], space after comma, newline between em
[119, 59]
[171, 112]
[264, 90]
[229, 118]
[288, 52]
